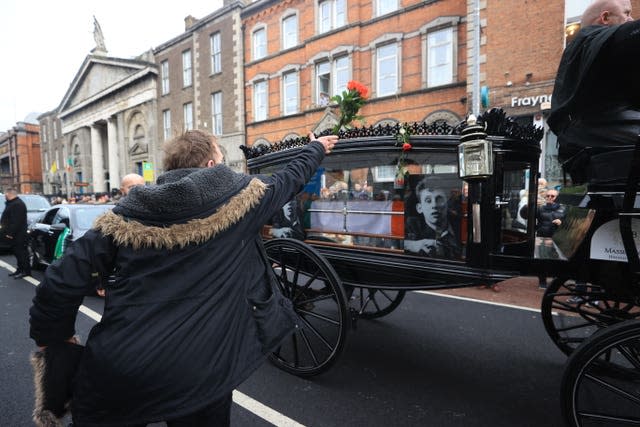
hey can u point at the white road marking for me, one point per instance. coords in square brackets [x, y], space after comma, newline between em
[479, 301]
[261, 410]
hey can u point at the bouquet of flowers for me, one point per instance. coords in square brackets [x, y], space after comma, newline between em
[350, 103]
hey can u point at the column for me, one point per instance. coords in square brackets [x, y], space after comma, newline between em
[97, 162]
[112, 148]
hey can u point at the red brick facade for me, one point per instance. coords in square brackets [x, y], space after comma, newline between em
[358, 38]
[20, 158]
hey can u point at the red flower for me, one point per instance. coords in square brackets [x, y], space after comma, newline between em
[359, 87]
[406, 146]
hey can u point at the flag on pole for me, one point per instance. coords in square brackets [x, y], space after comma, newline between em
[54, 167]
[69, 164]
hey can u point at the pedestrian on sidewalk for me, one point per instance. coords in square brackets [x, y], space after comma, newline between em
[14, 230]
[190, 312]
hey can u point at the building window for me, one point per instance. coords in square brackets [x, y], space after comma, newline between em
[331, 78]
[164, 75]
[216, 112]
[216, 54]
[187, 110]
[259, 43]
[166, 124]
[386, 6]
[289, 31]
[387, 70]
[440, 57]
[186, 68]
[260, 101]
[290, 92]
[332, 14]
[43, 133]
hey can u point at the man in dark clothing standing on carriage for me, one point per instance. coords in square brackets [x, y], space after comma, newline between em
[190, 312]
[14, 231]
[596, 98]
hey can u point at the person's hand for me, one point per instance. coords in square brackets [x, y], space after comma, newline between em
[328, 141]
[8, 237]
[557, 222]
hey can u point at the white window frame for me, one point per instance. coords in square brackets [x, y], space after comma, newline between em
[187, 115]
[290, 82]
[336, 85]
[164, 76]
[332, 14]
[447, 65]
[166, 124]
[260, 100]
[187, 68]
[215, 42]
[380, 60]
[216, 113]
[43, 131]
[259, 45]
[443, 23]
[289, 36]
[386, 6]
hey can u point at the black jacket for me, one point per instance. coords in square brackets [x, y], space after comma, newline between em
[596, 97]
[189, 315]
[546, 214]
[14, 219]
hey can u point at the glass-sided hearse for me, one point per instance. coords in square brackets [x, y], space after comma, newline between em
[457, 207]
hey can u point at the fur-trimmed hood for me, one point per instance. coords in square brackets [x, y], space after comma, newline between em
[186, 206]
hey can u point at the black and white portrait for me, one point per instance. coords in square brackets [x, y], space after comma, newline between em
[428, 230]
[286, 223]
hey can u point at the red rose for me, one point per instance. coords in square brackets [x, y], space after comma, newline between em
[406, 146]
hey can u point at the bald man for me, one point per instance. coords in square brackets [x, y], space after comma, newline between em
[596, 98]
[129, 181]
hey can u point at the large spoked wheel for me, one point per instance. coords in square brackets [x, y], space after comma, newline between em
[601, 384]
[316, 293]
[572, 312]
[371, 303]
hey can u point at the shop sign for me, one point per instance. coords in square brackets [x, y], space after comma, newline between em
[529, 101]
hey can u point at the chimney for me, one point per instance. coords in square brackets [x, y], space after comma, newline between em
[189, 22]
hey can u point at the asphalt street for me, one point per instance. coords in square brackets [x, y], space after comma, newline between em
[434, 361]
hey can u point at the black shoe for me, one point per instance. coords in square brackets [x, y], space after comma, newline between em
[15, 273]
[21, 275]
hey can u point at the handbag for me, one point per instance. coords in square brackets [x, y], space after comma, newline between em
[54, 371]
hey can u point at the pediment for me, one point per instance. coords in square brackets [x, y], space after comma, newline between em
[328, 121]
[97, 75]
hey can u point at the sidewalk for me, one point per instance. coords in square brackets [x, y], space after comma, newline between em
[521, 291]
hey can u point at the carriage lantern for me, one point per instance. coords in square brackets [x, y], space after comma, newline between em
[474, 152]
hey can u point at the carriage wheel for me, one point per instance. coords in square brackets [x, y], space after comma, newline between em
[373, 303]
[600, 384]
[316, 293]
[571, 314]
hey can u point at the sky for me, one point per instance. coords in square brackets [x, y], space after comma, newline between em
[43, 43]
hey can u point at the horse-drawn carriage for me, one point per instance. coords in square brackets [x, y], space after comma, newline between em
[408, 207]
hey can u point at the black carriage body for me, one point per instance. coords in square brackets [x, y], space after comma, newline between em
[499, 252]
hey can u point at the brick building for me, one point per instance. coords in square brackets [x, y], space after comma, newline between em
[410, 54]
[200, 82]
[521, 45]
[20, 158]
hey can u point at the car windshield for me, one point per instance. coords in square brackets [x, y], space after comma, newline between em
[85, 216]
[35, 203]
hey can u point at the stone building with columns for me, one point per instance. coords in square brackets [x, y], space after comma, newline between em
[107, 126]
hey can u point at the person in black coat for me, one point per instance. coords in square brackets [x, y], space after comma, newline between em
[14, 230]
[596, 98]
[549, 217]
[190, 310]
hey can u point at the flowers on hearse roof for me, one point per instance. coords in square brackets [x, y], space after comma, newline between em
[402, 140]
[349, 103]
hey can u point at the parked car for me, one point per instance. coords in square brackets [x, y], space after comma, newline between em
[67, 222]
[36, 206]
